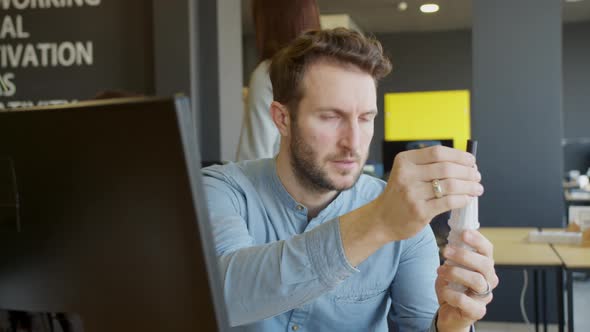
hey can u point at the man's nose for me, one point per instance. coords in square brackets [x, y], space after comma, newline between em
[351, 136]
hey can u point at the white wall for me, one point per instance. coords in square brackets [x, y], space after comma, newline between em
[229, 24]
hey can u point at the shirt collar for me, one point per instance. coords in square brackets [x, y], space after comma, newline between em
[281, 192]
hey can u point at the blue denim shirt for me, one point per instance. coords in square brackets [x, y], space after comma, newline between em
[283, 273]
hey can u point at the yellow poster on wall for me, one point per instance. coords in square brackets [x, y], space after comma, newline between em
[431, 115]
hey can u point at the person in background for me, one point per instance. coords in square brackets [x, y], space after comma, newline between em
[276, 23]
[306, 242]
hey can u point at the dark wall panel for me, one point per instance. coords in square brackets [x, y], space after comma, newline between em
[186, 61]
[516, 107]
[208, 73]
[171, 47]
[122, 57]
[517, 118]
[576, 79]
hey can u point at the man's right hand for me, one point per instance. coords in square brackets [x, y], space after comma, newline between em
[408, 202]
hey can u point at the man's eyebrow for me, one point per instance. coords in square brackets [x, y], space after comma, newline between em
[340, 111]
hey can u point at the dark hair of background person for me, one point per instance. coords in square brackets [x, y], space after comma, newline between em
[277, 22]
[340, 45]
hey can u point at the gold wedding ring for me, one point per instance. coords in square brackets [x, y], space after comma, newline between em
[438, 192]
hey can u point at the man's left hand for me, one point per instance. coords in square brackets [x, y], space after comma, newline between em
[459, 310]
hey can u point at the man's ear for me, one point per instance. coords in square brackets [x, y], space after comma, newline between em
[281, 117]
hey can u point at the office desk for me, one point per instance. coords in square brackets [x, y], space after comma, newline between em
[575, 259]
[511, 247]
[506, 234]
[580, 196]
[511, 250]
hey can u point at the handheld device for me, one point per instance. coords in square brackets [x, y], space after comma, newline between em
[466, 218]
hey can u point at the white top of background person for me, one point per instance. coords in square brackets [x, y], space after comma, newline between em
[276, 22]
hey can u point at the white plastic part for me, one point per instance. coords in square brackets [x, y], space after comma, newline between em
[463, 219]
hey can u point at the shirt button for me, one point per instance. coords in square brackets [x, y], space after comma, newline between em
[300, 208]
[295, 327]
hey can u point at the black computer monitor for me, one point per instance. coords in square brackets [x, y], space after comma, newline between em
[103, 225]
[576, 154]
[392, 148]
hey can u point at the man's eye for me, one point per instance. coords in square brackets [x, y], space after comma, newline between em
[329, 117]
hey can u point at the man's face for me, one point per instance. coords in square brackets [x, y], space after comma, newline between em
[333, 127]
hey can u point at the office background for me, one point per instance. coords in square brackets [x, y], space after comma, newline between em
[513, 60]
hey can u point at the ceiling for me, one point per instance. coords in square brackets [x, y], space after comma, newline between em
[383, 16]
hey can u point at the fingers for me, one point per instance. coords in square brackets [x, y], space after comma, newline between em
[474, 261]
[439, 285]
[424, 190]
[478, 242]
[472, 280]
[483, 246]
[437, 154]
[448, 170]
[470, 308]
[446, 203]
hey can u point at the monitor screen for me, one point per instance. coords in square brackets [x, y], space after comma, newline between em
[576, 154]
[392, 148]
[103, 222]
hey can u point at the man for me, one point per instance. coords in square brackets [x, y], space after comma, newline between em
[307, 243]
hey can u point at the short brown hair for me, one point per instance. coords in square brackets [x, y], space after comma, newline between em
[278, 22]
[343, 46]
